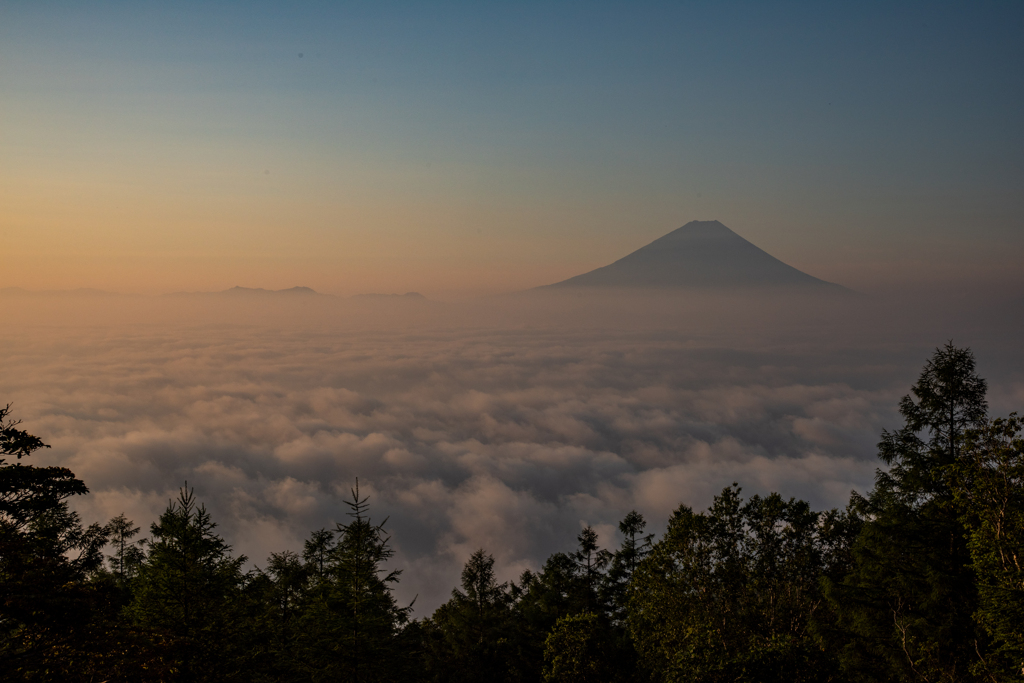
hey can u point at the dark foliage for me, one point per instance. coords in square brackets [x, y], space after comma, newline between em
[187, 593]
[59, 620]
[988, 488]
[729, 594]
[907, 605]
[474, 636]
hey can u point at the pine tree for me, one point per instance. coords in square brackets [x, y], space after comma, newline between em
[317, 552]
[188, 590]
[57, 620]
[474, 636]
[635, 547]
[907, 604]
[276, 598]
[353, 627]
[128, 556]
[590, 564]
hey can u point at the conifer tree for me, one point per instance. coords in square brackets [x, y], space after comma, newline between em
[590, 564]
[562, 588]
[276, 598]
[317, 553]
[57, 622]
[635, 547]
[128, 555]
[188, 590]
[352, 630]
[474, 636]
[907, 605]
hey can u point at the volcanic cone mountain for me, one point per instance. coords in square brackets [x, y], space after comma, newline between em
[701, 254]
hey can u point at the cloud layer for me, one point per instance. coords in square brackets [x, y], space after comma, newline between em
[465, 437]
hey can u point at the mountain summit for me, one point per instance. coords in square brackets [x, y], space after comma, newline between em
[703, 254]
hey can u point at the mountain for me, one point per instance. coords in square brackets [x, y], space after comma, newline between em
[408, 296]
[260, 291]
[255, 292]
[701, 254]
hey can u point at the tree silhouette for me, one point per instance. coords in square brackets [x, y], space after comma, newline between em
[128, 555]
[590, 562]
[635, 547]
[575, 652]
[907, 604]
[188, 589]
[57, 623]
[353, 626]
[474, 636]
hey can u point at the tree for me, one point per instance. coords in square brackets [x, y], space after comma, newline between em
[27, 492]
[557, 591]
[568, 583]
[128, 555]
[619, 655]
[188, 589]
[590, 563]
[574, 652]
[635, 547]
[276, 598]
[363, 591]
[728, 594]
[58, 621]
[473, 636]
[352, 630]
[45, 557]
[908, 602]
[317, 552]
[289, 578]
[16, 442]
[576, 583]
[988, 487]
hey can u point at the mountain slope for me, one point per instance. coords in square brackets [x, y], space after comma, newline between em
[703, 254]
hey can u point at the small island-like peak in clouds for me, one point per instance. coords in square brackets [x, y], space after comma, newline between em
[408, 296]
[238, 290]
[259, 290]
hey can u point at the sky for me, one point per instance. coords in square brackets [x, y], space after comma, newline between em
[462, 149]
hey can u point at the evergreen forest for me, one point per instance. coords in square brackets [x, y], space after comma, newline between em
[918, 579]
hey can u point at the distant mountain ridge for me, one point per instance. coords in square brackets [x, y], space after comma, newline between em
[255, 291]
[408, 296]
[259, 293]
[259, 290]
[700, 254]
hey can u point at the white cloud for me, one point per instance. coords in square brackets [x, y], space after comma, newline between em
[466, 436]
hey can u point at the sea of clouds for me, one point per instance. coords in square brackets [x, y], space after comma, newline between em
[469, 428]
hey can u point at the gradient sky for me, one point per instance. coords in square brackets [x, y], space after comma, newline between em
[466, 148]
